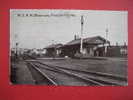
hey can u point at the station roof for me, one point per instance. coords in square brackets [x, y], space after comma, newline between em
[53, 46]
[89, 40]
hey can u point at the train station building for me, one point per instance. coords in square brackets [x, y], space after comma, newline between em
[53, 50]
[95, 46]
[92, 46]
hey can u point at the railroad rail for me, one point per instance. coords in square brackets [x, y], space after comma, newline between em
[81, 80]
[95, 78]
[40, 77]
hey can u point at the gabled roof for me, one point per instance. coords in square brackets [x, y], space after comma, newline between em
[53, 46]
[89, 40]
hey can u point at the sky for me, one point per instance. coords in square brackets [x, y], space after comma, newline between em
[38, 28]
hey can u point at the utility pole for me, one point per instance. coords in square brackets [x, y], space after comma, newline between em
[81, 42]
[16, 46]
[16, 50]
[106, 41]
[54, 52]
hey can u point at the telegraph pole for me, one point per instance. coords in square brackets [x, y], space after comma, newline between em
[54, 52]
[16, 46]
[81, 42]
[106, 41]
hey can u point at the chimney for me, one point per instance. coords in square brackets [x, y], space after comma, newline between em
[125, 44]
[116, 43]
[75, 37]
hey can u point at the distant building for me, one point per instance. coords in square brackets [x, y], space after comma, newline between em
[117, 51]
[53, 50]
[91, 47]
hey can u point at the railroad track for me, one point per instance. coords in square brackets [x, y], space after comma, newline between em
[85, 77]
[39, 76]
[58, 76]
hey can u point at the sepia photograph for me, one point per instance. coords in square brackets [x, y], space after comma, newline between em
[60, 47]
